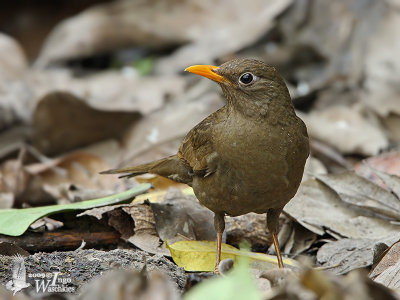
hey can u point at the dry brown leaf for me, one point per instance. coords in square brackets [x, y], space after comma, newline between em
[358, 191]
[315, 284]
[345, 128]
[14, 93]
[321, 210]
[226, 34]
[332, 158]
[181, 217]
[78, 168]
[18, 186]
[313, 166]
[13, 61]
[145, 236]
[390, 277]
[118, 24]
[382, 66]
[67, 178]
[111, 90]
[46, 224]
[342, 256]
[98, 212]
[135, 222]
[332, 52]
[63, 122]
[299, 240]
[13, 178]
[387, 162]
[387, 269]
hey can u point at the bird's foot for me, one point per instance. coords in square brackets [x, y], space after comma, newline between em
[224, 267]
[216, 270]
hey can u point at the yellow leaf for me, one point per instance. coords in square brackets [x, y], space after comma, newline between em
[200, 255]
[158, 196]
[160, 183]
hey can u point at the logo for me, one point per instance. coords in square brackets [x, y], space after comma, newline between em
[51, 282]
[18, 281]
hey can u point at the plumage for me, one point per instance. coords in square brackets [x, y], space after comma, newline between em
[246, 157]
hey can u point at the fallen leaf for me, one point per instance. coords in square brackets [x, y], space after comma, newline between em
[15, 93]
[119, 92]
[387, 269]
[14, 222]
[226, 36]
[388, 163]
[45, 224]
[13, 65]
[323, 61]
[345, 255]
[381, 73]
[17, 186]
[181, 217]
[321, 210]
[145, 236]
[150, 243]
[98, 212]
[200, 255]
[313, 166]
[104, 28]
[390, 277]
[345, 128]
[300, 240]
[77, 168]
[318, 284]
[359, 191]
[63, 122]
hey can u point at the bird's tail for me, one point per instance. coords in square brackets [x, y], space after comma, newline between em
[171, 167]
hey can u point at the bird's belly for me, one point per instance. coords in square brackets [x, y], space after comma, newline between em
[254, 179]
[243, 186]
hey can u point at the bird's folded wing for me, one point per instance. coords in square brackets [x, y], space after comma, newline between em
[198, 148]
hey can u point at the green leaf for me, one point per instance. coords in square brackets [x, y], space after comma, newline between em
[237, 285]
[200, 255]
[15, 222]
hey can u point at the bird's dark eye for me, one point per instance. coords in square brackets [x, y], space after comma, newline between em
[246, 78]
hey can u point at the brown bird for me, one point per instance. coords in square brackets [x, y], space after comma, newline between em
[246, 157]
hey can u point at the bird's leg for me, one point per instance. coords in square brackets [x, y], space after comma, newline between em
[219, 225]
[273, 225]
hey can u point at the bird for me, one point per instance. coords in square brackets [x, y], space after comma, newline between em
[18, 281]
[248, 156]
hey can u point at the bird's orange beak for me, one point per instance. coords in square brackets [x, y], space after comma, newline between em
[206, 71]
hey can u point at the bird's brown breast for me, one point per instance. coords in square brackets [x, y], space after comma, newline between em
[259, 164]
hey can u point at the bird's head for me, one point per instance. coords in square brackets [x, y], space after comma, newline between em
[250, 85]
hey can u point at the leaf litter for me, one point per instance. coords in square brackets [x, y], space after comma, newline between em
[339, 60]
